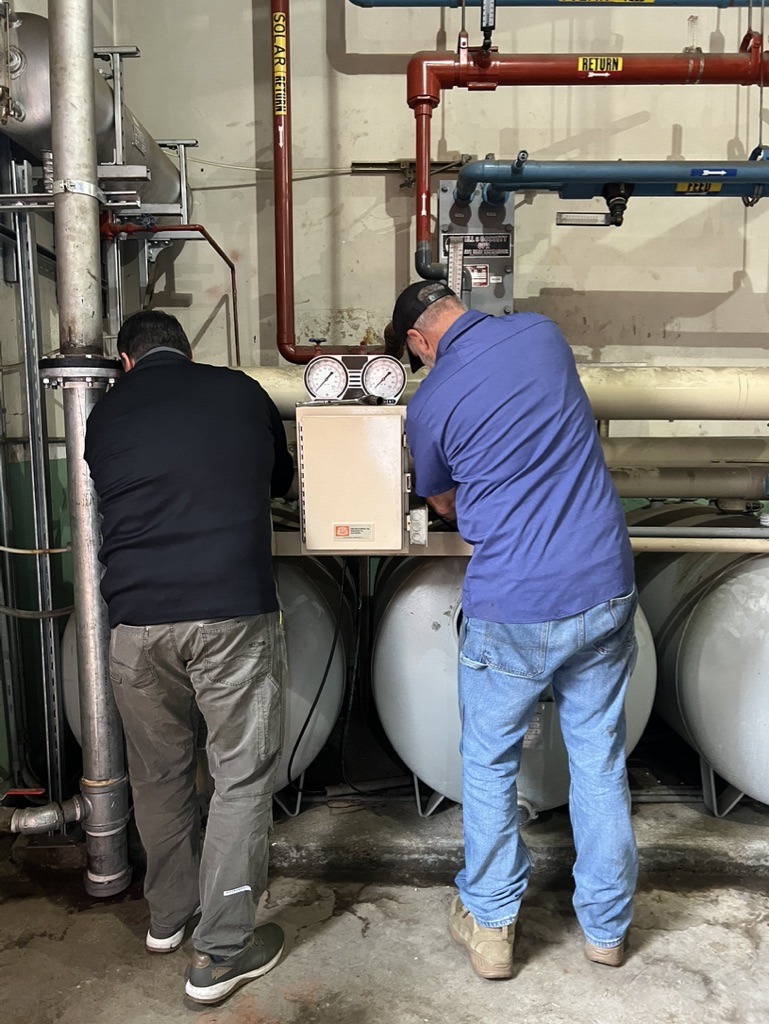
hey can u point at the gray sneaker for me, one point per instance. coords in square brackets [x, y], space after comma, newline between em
[212, 981]
[490, 949]
[168, 940]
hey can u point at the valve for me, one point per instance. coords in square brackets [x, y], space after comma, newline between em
[617, 195]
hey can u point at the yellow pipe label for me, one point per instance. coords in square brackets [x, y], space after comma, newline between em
[698, 187]
[599, 65]
[279, 61]
[606, 1]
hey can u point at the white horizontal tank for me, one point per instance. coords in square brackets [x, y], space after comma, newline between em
[309, 596]
[709, 614]
[414, 676]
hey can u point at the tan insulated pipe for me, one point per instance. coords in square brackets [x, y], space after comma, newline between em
[615, 392]
[672, 482]
[680, 545]
[681, 452]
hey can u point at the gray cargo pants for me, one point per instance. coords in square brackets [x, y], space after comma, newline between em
[231, 671]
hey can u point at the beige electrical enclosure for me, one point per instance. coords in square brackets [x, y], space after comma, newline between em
[353, 481]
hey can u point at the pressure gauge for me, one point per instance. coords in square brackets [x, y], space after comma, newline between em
[326, 378]
[384, 377]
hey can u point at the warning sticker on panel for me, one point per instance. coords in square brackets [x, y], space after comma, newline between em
[599, 65]
[698, 187]
[353, 531]
[479, 275]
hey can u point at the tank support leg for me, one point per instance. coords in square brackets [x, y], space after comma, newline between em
[720, 797]
[293, 810]
[433, 801]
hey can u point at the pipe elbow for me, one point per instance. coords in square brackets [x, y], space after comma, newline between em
[424, 266]
[424, 78]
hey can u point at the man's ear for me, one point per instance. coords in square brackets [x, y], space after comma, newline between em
[418, 344]
[128, 363]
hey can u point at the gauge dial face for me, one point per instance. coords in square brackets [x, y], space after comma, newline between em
[384, 377]
[326, 377]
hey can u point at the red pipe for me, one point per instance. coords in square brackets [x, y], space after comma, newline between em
[473, 68]
[109, 229]
[284, 227]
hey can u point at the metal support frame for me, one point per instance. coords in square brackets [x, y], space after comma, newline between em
[292, 810]
[433, 801]
[26, 255]
[720, 797]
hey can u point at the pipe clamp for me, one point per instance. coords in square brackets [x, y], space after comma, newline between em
[80, 188]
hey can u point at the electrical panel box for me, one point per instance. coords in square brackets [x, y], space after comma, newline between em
[353, 479]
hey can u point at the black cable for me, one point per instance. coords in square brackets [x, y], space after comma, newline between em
[24, 613]
[348, 711]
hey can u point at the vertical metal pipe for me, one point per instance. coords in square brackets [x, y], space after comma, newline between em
[281, 145]
[29, 305]
[76, 208]
[104, 784]
[78, 278]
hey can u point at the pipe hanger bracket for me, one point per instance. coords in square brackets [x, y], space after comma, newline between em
[81, 188]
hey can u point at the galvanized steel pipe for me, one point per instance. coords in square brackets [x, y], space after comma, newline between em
[78, 278]
[76, 207]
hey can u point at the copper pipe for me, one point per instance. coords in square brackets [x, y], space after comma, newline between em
[110, 229]
[284, 226]
[473, 68]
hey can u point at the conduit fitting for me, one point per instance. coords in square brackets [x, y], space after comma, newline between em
[108, 871]
[526, 812]
[617, 196]
[37, 820]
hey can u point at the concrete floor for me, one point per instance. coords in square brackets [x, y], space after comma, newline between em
[380, 954]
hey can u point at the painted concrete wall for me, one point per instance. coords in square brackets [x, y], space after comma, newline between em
[684, 280]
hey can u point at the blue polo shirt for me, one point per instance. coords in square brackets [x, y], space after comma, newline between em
[503, 417]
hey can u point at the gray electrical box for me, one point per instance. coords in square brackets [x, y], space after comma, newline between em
[486, 235]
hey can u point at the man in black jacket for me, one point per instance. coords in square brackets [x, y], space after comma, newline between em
[184, 458]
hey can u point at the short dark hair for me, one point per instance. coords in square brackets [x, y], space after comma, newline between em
[149, 329]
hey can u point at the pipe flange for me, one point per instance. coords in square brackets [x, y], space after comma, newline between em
[91, 370]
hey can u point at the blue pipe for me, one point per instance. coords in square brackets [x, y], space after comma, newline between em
[581, 4]
[587, 178]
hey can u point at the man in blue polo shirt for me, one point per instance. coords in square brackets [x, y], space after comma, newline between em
[503, 440]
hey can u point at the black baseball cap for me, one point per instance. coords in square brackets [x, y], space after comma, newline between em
[409, 306]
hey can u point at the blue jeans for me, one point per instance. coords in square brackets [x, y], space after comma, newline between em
[503, 670]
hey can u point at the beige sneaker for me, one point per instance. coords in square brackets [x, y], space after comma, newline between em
[490, 949]
[611, 957]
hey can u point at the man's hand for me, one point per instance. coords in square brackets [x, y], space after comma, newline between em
[443, 504]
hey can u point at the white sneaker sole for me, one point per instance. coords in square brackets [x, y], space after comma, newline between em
[215, 993]
[169, 945]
